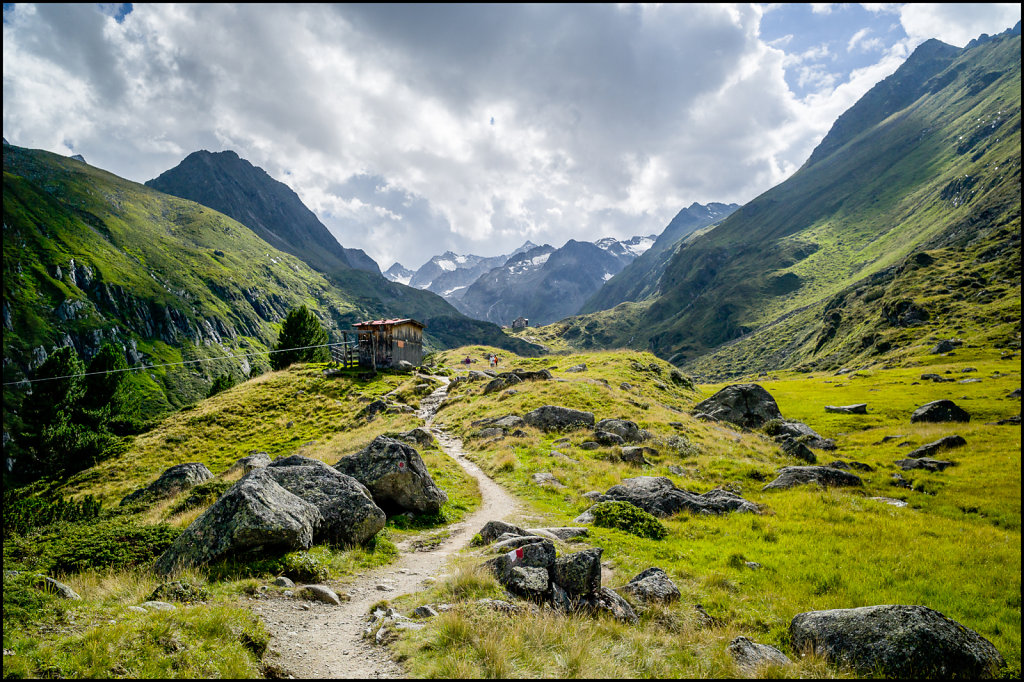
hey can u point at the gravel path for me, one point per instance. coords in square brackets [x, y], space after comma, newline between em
[316, 640]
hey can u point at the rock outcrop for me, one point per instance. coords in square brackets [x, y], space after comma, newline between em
[940, 411]
[350, 516]
[750, 655]
[935, 447]
[255, 513]
[824, 476]
[653, 585]
[555, 418]
[625, 429]
[395, 475]
[897, 641]
[658, 496]
[746, 405]
[172, 481]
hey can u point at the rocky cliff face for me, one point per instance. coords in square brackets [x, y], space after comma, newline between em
[245, 192]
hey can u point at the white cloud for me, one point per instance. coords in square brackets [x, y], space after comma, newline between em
[606, 119]
[956, 23]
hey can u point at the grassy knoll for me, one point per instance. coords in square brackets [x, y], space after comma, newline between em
[106, 558]
[954, 548]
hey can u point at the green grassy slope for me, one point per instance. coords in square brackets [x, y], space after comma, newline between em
[946, 163]
[91, 257]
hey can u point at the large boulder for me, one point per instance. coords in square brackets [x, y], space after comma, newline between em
[525, 570]
[255, 513]
[171, 482]
[606, 600]
[658, 496]
[350, 515]
[555, 418]
[396, 476]
[926, 463]
[625, 429]
[255, 460]
[578, 573]
[790, 477]
[746, 405]
[896, 641]
[653, 585]
[940, 411]
[859, 408]
[940, 445]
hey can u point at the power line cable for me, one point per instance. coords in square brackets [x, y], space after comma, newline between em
[169, 364]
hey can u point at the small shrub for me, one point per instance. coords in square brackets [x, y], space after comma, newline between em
[221, 383]
[24, 511]
[306, 567]
[772, 427]
[180, 591]
[201, 495]
[118, 543]
[477, 541]
[680, 379]
[629, 518]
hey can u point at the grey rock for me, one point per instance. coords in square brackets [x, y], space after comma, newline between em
[926, 463]
[657, 495]
[493, 529]
[158, 606]
[320, 593]
[425, 611]
[555, 418]
[823, 476]
[859, 408]
[586, 516]
[56, 587]
[846, 466]
[653, 585]
[590, 445]
[896, 641]
[940, 411]
[501, 383]
[750, 655]
[172, 481]
[634, 454]
[282, 581]
[625, 429]
[606, 600]
[254, 513]
[255, 460]
[489, 432]
[795, 448]
[349, 513]
[582, 367]
[747, 405]
[395, 475]
[509, 542]
[545, 478]
[945, 346]
[510, 421]
[937, 378]
[136, 609]
[607, 438]
[942, 444]
[296, 461]
[418, 436]
[578, 573]
[562, 533]
[890, 501]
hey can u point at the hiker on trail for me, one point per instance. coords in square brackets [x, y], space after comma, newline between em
[495, 362]
[467, 361]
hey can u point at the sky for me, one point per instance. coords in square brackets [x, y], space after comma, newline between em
[414, 129]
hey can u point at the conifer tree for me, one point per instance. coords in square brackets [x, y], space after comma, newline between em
[299, 330]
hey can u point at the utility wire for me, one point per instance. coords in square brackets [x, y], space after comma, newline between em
[169, 364]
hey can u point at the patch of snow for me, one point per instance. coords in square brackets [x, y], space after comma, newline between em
[460, 259]
[402, 280]
[446, 265]
[540, 260]
[607, 276]
[641, 245]
[446, 294]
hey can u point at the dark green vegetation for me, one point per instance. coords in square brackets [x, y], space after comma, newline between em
[91, 258]
[76, 531]
[815, 271]
[300, 333]
[629, 518]
[75, 416]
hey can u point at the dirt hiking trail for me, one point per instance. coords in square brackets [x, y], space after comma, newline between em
[316, 640]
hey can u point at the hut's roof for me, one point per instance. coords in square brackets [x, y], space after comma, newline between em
[389, 323]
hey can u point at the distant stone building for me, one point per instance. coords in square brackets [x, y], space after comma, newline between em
[520, 323]
[385, 343]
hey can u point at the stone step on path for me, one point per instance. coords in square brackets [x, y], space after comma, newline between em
[326, 642]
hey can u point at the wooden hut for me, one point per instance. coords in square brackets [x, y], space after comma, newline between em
[384, 343]
[520, 323]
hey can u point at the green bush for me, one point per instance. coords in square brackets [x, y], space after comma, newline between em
[116, 543]
[201, 495]
[772, 427]
[221, 383]
[24, 511]
[629, 518]
[306, 567]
